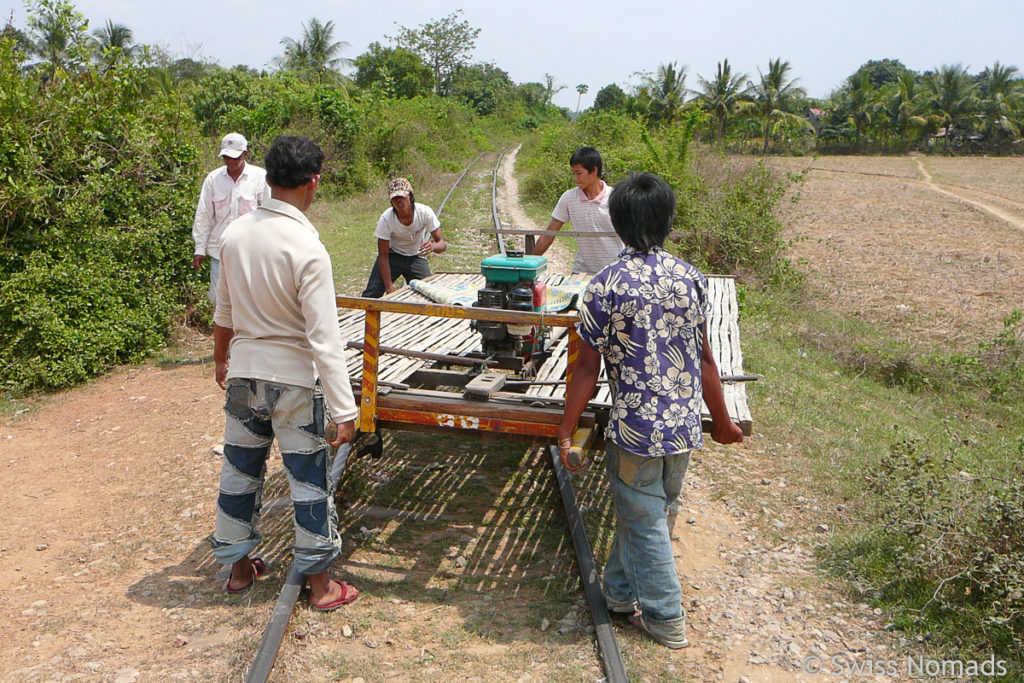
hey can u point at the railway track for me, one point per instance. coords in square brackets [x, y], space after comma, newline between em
[610, 654]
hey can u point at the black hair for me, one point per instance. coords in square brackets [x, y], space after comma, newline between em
[642, 208]
[292, 161]
[589, 158]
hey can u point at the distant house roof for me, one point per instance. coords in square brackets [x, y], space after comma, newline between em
[817, 112]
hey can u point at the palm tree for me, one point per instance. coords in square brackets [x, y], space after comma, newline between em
[667, 92]
[862, 102]
[317, 53]
[772, 95]
[114, 37]
[724, 96]
[582, 89]
[1003, 95]
[904, 103]
[952, 96]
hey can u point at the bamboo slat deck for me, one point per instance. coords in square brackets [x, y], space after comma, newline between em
[455, 337]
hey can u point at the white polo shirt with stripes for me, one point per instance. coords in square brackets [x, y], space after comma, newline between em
[589, 215]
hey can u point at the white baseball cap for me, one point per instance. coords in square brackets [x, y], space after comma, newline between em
[233, 145]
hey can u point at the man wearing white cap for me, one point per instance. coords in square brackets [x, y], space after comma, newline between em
[228, 192]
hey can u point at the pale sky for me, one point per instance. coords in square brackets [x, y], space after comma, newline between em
[600, 42]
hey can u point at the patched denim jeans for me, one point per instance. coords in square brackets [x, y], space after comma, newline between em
[256, 412]
[641, 569]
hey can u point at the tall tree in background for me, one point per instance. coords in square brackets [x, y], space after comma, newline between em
[861, 102]
[444, 44]
[317, 53]
[724, 96]
[396, 71]
[582, 89]
[610, 98]
[904, 102]
[774, 93]
[1002, 95]
[952, 96]
[113, 42]
[667, 92]
[551, 88]
[58, 36]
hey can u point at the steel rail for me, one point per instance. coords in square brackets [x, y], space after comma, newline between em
[494, 200]
[611, 655]
[458, 180]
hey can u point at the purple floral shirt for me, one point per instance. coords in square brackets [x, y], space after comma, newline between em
[643, 313]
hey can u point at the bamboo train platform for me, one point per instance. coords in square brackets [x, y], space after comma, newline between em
[410, 360]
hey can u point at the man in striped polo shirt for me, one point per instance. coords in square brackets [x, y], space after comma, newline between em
[586, 207]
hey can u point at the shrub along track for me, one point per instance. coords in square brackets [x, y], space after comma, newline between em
[105, 573]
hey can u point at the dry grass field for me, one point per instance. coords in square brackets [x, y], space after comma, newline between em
[942, 262]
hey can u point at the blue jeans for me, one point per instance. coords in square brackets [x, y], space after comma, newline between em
[257, 411]
[409, 267]
[641, 569]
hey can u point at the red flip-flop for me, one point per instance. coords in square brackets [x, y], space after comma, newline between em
[348, 594]
[259, 570]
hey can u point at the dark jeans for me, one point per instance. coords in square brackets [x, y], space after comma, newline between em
[409, 267]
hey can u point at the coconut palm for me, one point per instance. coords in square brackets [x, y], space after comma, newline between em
[724, 96]
[952, 96]
[905, 105]
[114, 37]
[667, 92]
[773, 94]
[317, 52]
[1002, 97]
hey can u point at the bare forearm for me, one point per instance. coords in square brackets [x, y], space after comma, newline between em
[546, 241]
[579, 391]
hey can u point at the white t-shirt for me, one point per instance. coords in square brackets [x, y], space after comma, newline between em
[589, 215]
[406, 239]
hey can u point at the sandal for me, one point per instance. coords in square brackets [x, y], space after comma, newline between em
[348, 594]
[259, 570]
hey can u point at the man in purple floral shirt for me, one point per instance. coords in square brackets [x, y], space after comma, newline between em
[645, 315]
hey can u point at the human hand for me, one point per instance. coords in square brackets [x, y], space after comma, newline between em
[426, 248]
[572, 457]
[726, 432]
[222, 374]
[197, 261]
[338, 433]
[389, 287]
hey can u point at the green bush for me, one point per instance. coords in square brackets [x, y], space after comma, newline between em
[98, 197]
[943, 548]
[726, 207]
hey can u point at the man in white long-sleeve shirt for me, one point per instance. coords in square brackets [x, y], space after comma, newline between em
[275, 331]
[228, 192]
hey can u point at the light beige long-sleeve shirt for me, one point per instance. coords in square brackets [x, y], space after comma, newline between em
[276, 291]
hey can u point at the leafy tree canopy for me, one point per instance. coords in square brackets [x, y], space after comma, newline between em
[610, 98]
[445, 44]
[395, 70]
